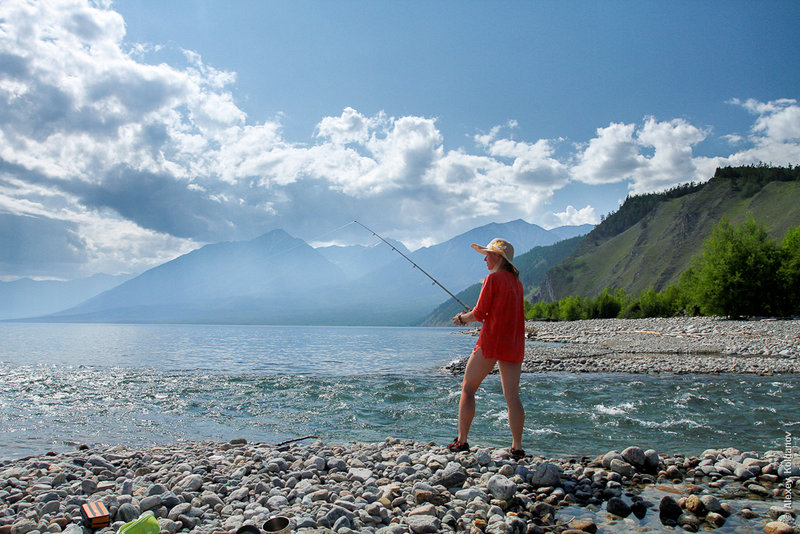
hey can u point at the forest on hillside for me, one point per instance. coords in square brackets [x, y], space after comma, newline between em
[739, 272]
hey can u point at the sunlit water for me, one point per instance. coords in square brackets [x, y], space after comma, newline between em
[145, 384]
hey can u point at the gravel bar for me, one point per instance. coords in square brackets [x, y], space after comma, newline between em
[661, 345]
[398, 486]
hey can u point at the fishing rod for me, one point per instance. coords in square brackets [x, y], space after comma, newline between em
[435, 281]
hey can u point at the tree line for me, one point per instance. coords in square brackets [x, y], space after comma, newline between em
[741, 272]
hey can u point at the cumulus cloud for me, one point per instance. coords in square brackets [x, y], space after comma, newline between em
[617, 154]
[775, 135]
[112, 163]
[572, 217]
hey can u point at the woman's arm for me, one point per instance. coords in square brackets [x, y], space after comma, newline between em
[464, 318]
[481, 309]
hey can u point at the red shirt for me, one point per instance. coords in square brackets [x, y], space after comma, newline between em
[502, 313]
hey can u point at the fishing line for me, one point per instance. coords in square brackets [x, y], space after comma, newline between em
[435, 281]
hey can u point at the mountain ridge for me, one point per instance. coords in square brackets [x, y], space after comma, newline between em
[657, 241]
[279, 279]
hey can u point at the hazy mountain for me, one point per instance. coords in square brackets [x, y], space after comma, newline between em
[454, 263]
[357, 260]
[31, 298]
[567, 232]
[652, 238]
[273, 267]
[279, 279]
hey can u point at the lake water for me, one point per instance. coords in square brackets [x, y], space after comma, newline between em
[63, 384]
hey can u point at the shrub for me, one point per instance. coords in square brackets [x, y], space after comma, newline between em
[737, 273]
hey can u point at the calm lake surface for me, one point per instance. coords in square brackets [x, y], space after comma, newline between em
[63, 384]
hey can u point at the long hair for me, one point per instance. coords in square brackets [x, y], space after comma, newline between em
[506, 266]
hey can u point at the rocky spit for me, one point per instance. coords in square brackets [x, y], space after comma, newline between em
[658, 345]
[399, 486]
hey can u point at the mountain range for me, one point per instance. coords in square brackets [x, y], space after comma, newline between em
[31, 298]
[280, 279]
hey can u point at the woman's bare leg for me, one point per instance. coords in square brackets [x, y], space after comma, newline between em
[477, 369]
[509, 376]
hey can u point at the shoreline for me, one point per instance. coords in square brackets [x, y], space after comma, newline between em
[398, 486]
[680, 345]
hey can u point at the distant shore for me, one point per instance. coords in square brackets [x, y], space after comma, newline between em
[661, 345]
[397, 487]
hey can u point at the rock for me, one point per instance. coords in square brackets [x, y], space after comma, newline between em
[711, 504]
[181, 509]
[168, 525]
[777, 527]
[336, 464]
[607, 457]
[639, 509]
[651, 461]
[23, 526]
[426, 509]
[467, 494]
[759, 490]
[50, 507]
[210, 499]
[622, 467]
[240, 494]
[453, 474]
[634, 456]
[360, 474]
[498, 527]
[421, 524]
[482, 457]
[277, 502]
[546, 474]
[584, 525]
[336, 512]
[170, 500]
[689, 522]
[695, 505]
[433, 497]
[192, 483]
[617, 506]
[88, 486]
[305, 522]
[149, 502]
[715, 519]
[341, 524]
[127, 512]
[500, 487]
[669, 510]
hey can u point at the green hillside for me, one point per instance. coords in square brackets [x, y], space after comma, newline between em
[533, 266]
[652, 238]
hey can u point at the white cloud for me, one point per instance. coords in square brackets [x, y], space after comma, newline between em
[775, 135]
[616, 155]
[572, 217]
[612, 156]
[137, 162]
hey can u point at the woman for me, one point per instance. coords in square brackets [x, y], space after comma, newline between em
[501, 342]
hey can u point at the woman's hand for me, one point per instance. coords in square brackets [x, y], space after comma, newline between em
[460, 319]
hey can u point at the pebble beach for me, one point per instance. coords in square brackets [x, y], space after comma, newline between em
[399, 486]
[661, 345]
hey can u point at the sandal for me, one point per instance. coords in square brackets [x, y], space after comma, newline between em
[457, 446]
[516, 453]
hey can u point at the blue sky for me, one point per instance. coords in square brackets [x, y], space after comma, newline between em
[137, 130]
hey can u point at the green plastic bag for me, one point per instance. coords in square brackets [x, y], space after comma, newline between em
[146, 524]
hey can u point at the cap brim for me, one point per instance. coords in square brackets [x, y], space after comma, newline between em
[482, 250]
